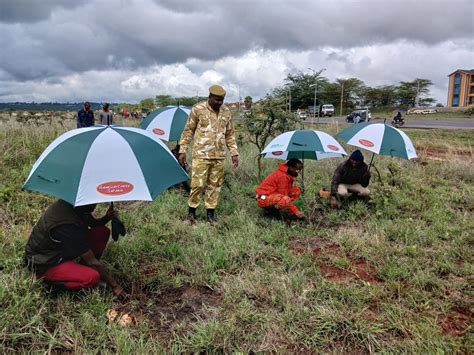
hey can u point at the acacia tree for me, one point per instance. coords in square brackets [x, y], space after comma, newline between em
[269, 120]
[302, 87]
[413, 93]
[147, 104]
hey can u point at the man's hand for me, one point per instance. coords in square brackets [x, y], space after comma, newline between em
[299, 215]
[182, 159]
[111, 213]
[235, 161]
[334, 202]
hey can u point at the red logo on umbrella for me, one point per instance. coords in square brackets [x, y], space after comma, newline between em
[333, 147]
[277, 153]
[158, 131]
[366, 143]
[115, 188]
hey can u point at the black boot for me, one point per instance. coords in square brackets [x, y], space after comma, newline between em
[191, 217]
[211, 216]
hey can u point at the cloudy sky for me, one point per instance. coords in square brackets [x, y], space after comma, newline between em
[126, 50]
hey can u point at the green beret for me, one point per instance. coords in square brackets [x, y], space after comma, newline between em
[217, 90]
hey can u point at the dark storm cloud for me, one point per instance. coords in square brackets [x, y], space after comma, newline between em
[130, 34]
[22, 11]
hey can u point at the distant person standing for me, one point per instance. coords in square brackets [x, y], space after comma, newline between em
[210, 126]
[85, 116]
[106, 117]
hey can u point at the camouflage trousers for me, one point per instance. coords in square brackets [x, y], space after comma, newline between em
[207, 175]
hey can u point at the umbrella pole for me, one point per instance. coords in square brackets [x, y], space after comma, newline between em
[373, 165]
[371, 160]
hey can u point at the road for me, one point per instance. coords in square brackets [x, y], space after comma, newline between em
[411, 123]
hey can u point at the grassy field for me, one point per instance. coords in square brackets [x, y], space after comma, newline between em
[393, 275]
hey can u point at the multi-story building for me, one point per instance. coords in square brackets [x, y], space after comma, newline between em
[461, 88]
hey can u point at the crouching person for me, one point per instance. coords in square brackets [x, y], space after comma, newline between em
[276, 193]
[351, 176]
[64, 234]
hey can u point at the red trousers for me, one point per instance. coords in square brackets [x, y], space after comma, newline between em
[76, 276]
[280, 201]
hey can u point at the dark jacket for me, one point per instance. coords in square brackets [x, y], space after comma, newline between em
[42, 250]
[85, 118]
[345, 174]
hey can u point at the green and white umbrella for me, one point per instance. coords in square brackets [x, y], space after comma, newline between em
[379, 138]
[304, 144]
[167, 123]
[105, 164]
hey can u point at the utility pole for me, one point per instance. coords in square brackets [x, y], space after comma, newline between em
[315, 95]
[342, 97]
[316, 75]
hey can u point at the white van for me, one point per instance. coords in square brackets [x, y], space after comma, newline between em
[326, 110]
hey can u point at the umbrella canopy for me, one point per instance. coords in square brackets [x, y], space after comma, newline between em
[105, 164]
[379, 138]
[304, 144]
[167, 123]
[401, 110]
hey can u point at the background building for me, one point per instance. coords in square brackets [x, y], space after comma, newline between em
[461, 88]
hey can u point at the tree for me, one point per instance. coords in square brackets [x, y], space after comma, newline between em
[414, 93]
[379, 96]
[189, 101]
[352, 92]
[248, 102]
[270, 120]
[302, 87]
[147, 104]
[164, 100]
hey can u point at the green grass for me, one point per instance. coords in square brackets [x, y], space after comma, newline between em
[260, 294]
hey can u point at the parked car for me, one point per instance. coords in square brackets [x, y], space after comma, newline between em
[422, 111]
[364, 115]
[301, 114]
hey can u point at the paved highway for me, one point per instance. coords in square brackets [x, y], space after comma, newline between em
[411, 123]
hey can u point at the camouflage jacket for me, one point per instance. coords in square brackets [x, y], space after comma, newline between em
[211, 131]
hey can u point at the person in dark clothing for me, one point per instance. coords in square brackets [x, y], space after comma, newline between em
[398, 117]
[85, 116]
[63, 234]
[351, 176]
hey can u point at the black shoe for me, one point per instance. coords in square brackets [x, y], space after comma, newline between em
[211, 216]
[191, 217]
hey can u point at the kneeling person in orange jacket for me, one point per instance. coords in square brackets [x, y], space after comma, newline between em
[277, 190]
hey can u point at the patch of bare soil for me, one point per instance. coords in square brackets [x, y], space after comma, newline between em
[314, 245]
[441, 155]
[172, 309]
[359, 268]
[456, 322]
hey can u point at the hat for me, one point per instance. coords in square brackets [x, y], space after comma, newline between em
[357, 155]
[217, 90]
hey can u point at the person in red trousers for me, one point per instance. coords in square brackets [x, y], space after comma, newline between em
[65, 235]
[276, 192]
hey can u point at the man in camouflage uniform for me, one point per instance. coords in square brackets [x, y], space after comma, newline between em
[211, 126]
